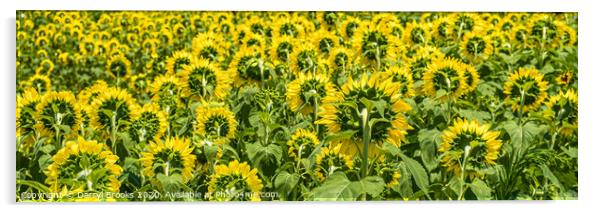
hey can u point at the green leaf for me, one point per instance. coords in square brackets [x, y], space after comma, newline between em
[286, 182]
[480, 189]
[550, 176]
[418, 173]
[44, 161]
[266, 158]
[428, 147]
[170, 183]
[338, 187]
[34, 184]
[474, 115]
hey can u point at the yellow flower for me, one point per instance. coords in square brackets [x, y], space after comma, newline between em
[56, 109]
[304, 92]
[234, 181]
[248, 65]
[349, 26]
[208, 46]
[445, 75]
[332, 159]
[472, 77]
[470, 144]
[46, 67]
[302, 144]
[476, 45]
[172, 156]
[373, 44]
[148, 123]
[175, 64]
[340, 115]
[119, 67]
[324, 41]
[26, 107]
[87, 165]
[341, 59]
[113, 108]
[282, 48]
[166, 91]
[403, 76]
[563, 107]
[443, 28]
[528, 83]
[40, 82]
[305, 59]
[216, 122]
[565, 78]
[416, 34]
[203, 80]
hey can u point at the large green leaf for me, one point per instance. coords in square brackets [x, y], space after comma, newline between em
[428, 147]
[418, 173]
[338, 187]
[480, 189]
[285, 182]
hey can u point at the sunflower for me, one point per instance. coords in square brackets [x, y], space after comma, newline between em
[388, 171]
[282, 48]
[235, 181]
[172, 156]
[332, 159]
[445, 75]
[443, 28]
[469, 144]
[175, 64]
[341, 59]
[203, 80]
[26, 110]
[519, 36]
[465, 23]
[302, 144]
[304, 92]
[119, 67]
[528, 83]
[328, 20]
[166, 91]
[57, 109]
[216, 122]
[112, 110]
[349, 26]
[567, 35]
[325, 41]
[290, 27]
[563, 107]
[248, 64]
[476, 45]
[40, 82]
[423, 57]
[417, 34]
[148, 123]
[46, 67]
[305, 59]
[403, 76]
[341, 112]
[565, 78]
[472, 77]
[373, 44]
[84, 165]
[544, 28]
[254, 40]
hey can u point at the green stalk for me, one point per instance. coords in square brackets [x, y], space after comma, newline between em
[366, 133]
[467, 150]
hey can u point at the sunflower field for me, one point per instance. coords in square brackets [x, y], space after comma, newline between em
[295, 106]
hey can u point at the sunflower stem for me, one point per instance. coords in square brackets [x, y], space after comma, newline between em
[366, 132]
[520, 110]
[377, 58]
[316, 109]
[462, 173]
[449, 104]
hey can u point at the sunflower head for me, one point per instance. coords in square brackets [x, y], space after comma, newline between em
[175, 64]
[445, 78]
[84, 165]
[476, 45]
[249, 65]
[216, 123]
[347, 110]
[119, 67]
[388, 171]
[169, 157]
[562, 108]
[203, 80]
[282, 48]
[113, 108]
[235, 181]
[565, 78]
[166, 91]
[526, 84]
[403, 76]
[305, 59]
[55, 110]
[26, 110]
[372, 43]
[470, 144]
[302, 144]
[417, 33]
[332, 159]
[40, 82]
[325, 41]
[303, 93]
[148, 123]
[544, 29]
